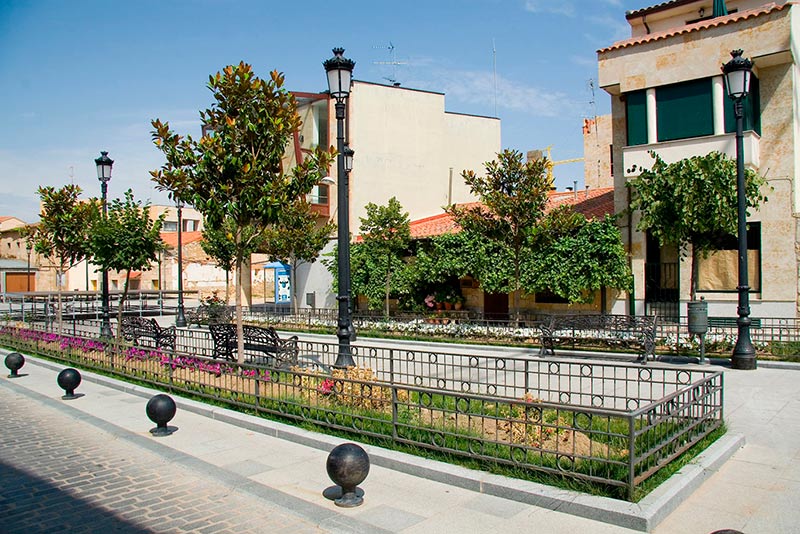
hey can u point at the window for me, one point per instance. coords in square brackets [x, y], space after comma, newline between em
[636, 117]
[751, 107]
[169, 226]
[720, 270]
[319, 195]
[685, 110]
[190, 225]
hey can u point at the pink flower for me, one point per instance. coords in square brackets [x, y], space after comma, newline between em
[325, 387]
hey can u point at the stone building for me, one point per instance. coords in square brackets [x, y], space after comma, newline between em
[667, 95]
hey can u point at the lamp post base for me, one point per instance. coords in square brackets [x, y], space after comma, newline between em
[743, 363]
[744, 354]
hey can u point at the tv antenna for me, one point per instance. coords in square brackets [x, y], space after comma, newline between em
[392, 61]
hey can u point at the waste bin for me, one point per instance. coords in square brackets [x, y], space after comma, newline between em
[698, 316]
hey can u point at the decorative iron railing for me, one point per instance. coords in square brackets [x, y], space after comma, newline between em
[615, 425]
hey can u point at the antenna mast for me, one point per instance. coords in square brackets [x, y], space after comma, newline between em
[494, 70]
[392, 61]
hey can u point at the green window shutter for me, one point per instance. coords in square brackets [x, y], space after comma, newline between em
[636, 114]
[685, 110]
[752, 110]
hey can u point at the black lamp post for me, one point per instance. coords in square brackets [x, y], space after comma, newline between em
[340, 73]
[104, 164]
[180, 319]
[738, 72]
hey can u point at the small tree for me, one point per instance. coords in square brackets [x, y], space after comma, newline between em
[126, 240]
[296, 240]
[62, 235]
[513, 196]
[235, 172]
[692, 202]
[386, 232]
[219, 244]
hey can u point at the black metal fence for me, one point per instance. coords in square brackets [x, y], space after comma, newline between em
[672, 331]
[615, 425]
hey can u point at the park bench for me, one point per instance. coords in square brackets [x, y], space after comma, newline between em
[260, 344]
[209, 315]
[613, 331]
[134, 329]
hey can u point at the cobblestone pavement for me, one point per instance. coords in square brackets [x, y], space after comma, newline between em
[62, 474]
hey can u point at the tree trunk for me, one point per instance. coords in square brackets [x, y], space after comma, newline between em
[388, 284]
[238, 300]
[121, 304]
[238, 285]
[293, 282]
[227, 288]
[59, 315]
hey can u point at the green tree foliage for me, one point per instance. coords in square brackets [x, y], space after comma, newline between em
[297, 240]
[574, 257]
[385, 233]
[513, 195]
[219, 244]
[692, 202]
[235, 171]
[62, 235]
[127, 239]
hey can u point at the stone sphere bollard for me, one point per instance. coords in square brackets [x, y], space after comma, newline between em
[348, 466]
[161, 409]
[68, 380]
[14, 362]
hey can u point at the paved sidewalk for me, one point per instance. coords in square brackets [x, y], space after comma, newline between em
[90, 465]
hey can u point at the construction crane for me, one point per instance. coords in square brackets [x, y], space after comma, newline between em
[538, 154]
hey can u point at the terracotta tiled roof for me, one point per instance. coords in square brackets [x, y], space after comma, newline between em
[595, 203]
[4, 218]
[171, 238]
[702, 25]
[658, 7]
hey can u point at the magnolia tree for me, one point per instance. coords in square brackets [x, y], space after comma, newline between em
[234, 174]
[692, 202]
[513, 195]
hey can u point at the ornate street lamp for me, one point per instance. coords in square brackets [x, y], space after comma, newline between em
[340, 75]
[104, 164]
[738, 72]
[180, 319]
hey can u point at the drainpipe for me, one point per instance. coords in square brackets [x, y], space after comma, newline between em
[450, 188]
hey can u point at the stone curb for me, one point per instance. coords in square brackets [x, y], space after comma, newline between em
[642, 516]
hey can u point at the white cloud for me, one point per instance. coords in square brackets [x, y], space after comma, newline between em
[554, 7]
[478, 87]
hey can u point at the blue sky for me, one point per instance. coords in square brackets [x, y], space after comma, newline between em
[83, 76]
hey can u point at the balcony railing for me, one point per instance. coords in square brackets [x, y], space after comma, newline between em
[635, 158]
